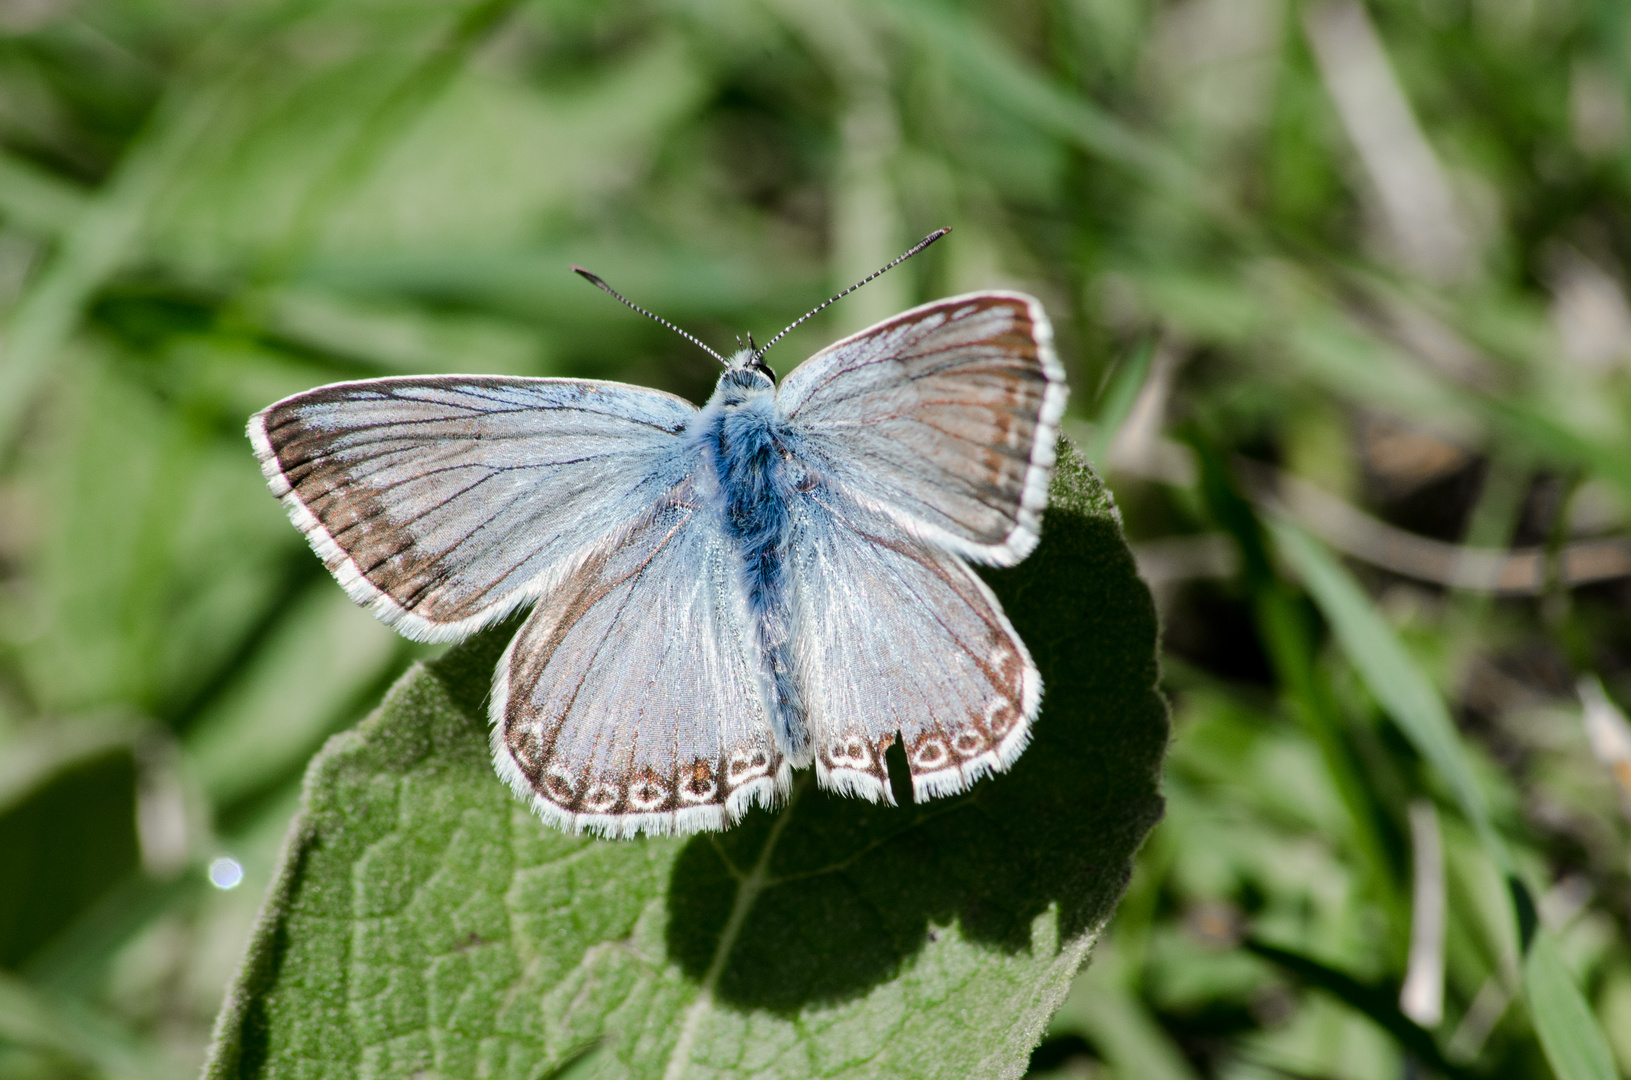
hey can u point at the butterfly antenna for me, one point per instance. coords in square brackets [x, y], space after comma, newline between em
[599, 284]
[919, 246]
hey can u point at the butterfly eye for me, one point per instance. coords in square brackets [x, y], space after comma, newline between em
[760, 366]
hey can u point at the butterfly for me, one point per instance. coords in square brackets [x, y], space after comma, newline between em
[720, 595]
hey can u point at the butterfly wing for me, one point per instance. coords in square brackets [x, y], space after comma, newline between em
[442, 503]
[903, 638]
[943, 417]
[627, 703]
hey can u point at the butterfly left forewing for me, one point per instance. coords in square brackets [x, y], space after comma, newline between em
[903, 639]
[626, 703]
[943, 417]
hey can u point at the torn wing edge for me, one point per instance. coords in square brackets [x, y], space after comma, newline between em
[858, 783]
[951, 781]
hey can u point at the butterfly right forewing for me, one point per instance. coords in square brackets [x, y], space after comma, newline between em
[943, 417]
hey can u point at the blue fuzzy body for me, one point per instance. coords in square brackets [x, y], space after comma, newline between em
[757, 477]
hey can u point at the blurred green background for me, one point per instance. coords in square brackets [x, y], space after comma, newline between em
[1356, 267]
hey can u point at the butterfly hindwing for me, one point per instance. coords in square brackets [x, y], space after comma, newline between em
[627, 702]
[902, 638]
[943, 417]
[442, 503]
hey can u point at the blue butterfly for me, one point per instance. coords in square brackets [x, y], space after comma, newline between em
[721, 595]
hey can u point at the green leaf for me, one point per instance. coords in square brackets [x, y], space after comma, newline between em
[425, 923]
[64, 845]
[1574, 1044]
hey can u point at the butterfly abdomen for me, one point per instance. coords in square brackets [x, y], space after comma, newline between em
[750, 464]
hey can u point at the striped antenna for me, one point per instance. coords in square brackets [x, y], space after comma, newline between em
[919, 246]
[599, 284]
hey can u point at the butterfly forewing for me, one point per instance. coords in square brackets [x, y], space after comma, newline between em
[902, 638]
[626, 703]
[441, 503]
[943, 417]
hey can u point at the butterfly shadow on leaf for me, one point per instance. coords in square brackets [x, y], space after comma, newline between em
[822, 900]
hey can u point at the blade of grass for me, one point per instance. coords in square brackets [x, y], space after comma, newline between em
[1121, 1029]
[37, 201]
[1574, 1043]
[1375, 1002]
[29, 1018]
[1286, 636]
[94, 246]
[1570, 1036]
[423, 83]
[71, 963]
[1395, 680]
[1014, 86]
[1125, 383]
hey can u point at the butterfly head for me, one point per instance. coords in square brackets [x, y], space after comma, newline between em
[746, 377]
[749, 358]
